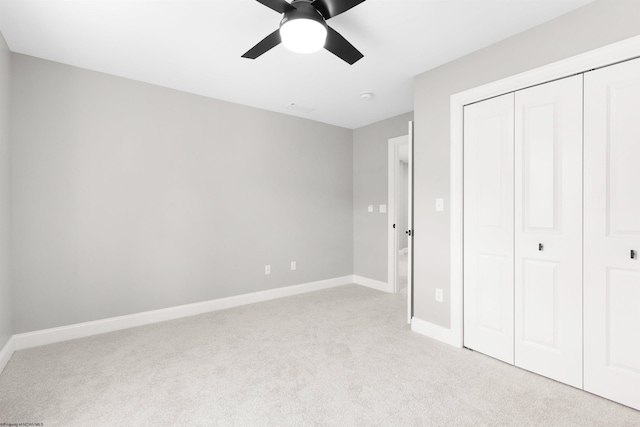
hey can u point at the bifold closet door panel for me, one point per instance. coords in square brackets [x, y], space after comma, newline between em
[612, 233]
[548, 230]
[488, 227]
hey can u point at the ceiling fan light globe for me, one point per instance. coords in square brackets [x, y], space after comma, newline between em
[303, 35]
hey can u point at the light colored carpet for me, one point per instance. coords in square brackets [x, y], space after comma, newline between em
[339, 357]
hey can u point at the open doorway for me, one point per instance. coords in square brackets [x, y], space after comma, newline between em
[400, 217]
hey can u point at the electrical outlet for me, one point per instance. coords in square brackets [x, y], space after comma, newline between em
[267, 269]
[293, 265]
[439, 296]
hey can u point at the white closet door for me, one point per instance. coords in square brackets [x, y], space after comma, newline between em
[611, 232]
[488, 227]
[548, 230]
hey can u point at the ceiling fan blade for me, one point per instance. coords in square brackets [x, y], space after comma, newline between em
[340, 47]
[280, 6]
[267, 43]
[330, 8]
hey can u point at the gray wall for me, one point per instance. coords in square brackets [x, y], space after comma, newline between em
[370, 152]
[6, 305]
[130, 197]
[587, 28]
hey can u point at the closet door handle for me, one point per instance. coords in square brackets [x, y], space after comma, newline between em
[540, 246]
[633, 254]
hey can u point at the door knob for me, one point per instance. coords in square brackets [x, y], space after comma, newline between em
[408, 232]
[540, 246]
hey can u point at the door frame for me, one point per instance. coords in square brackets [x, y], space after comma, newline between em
[598, 58]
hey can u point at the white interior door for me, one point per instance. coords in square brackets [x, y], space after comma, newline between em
[392, 213]
[612, 232]
[410, 225]
[400, 213]
[488, 227]
[397, 212]
[548, 230]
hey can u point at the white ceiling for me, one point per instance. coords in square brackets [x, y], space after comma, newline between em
[195, 46]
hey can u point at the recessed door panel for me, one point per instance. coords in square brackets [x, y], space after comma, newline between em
[488, 227]
[490, 179]
[623, 318]
[540, 163]
[492, 272]
[612, 232]
[623, 150]
[548, 230]
[540, 303]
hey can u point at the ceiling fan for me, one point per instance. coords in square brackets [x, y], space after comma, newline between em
[303, 28]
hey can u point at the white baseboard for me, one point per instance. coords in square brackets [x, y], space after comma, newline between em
[6, 353]
[80, 330]
[371, 283]
[436, 332]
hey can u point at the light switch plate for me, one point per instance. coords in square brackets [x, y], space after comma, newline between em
[370, 208]
[383, 208]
